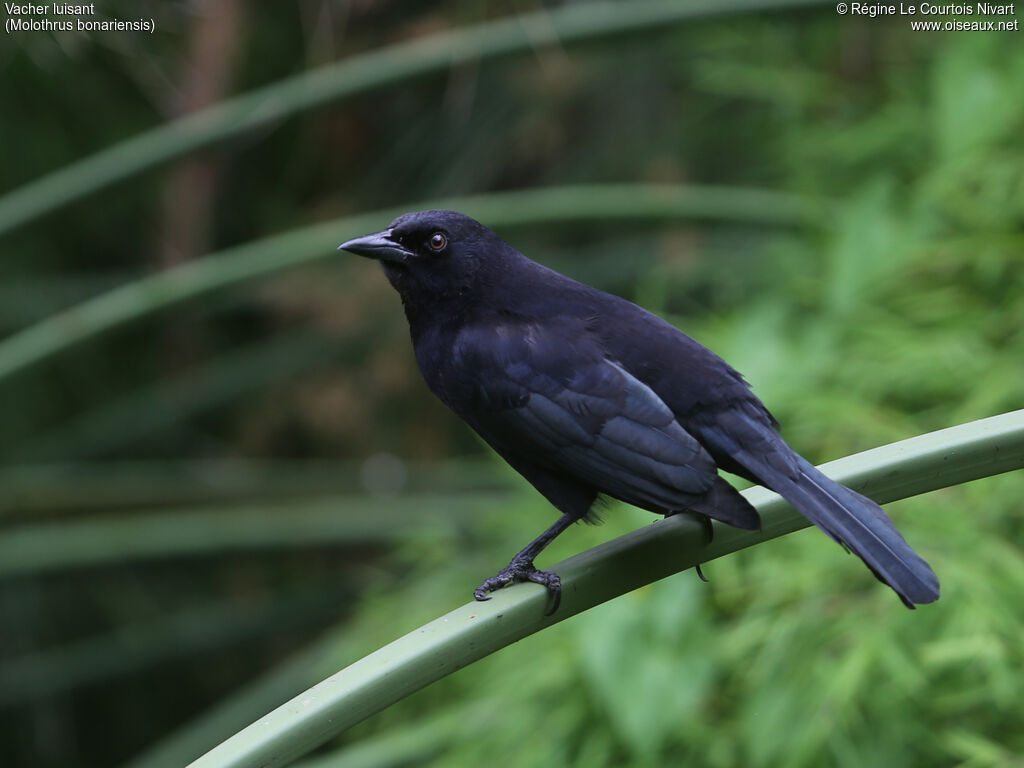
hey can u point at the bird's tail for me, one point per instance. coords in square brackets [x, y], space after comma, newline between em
[745, 437]
[860, 525]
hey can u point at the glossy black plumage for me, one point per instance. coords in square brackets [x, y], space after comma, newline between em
[584, 393]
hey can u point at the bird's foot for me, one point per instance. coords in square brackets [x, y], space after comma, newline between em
[709, 529]
[704, 520]
[522, 570]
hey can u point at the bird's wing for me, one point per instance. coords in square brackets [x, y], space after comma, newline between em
[548, 392]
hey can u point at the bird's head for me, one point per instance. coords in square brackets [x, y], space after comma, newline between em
[432, 255]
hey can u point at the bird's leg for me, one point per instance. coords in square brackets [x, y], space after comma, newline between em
[709, 529]
[522, 569]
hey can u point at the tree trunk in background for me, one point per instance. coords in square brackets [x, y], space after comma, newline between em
[190, 192]
[205, 79]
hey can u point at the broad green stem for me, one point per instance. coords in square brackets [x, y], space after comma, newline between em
[907, 468]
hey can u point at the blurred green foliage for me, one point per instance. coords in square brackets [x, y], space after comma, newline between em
[902, 313]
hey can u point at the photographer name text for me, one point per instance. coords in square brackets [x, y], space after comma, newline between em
[929, 9]
[964, 15]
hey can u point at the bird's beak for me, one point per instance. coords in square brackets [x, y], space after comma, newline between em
[381, 246]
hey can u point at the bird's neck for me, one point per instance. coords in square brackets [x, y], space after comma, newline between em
[437, 315]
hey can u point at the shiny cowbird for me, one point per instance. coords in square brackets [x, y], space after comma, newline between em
[585, 393]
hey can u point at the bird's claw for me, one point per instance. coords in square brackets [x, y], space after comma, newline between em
[518, 571]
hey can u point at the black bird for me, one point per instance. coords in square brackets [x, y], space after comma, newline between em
[585, 393]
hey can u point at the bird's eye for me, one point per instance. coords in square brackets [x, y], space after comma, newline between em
[437, 241]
